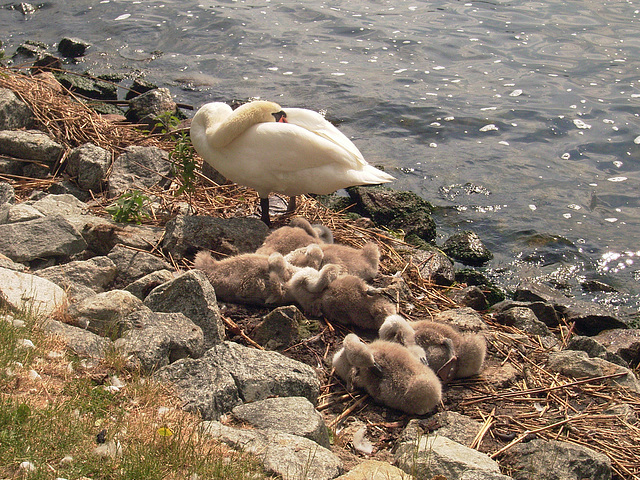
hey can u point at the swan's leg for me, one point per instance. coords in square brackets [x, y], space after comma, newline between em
[264, 214]
[292, 204]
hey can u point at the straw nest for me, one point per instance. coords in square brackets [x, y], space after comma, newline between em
[540, 403]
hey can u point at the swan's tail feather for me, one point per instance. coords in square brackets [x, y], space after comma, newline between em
[370, 175]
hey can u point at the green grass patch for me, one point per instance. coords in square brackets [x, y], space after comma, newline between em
[49, 426]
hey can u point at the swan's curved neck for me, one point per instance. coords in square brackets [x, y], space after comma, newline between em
[240, 119]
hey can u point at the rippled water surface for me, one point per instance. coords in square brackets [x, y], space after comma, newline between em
[518, 119]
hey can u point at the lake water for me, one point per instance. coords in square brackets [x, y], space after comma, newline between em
[518, 119]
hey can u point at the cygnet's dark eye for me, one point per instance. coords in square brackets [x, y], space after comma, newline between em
[280, 116]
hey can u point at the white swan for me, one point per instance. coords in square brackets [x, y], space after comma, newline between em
[291, 151]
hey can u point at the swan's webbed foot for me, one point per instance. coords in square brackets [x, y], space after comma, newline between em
[264, 211]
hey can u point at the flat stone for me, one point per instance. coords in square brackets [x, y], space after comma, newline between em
[133, 264]
[80, 341]
[14, 113]
[30, 145]
[51, 236]
[29, 293]
[622, 342]
[290, 456]
[294, 415]
[375, 470]
[138, 167]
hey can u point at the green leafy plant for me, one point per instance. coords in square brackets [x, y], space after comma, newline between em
[182, 156]
[130, 207]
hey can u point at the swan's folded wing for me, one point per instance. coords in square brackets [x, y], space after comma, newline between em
[316, 123]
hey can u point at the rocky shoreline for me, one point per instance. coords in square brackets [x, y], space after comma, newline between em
[105, 285]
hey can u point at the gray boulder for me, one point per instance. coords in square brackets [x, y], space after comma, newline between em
[281, 328]
[133, 264]
[105, 312]
[554, 460]
[289, 456]
[147, 107]
[434, 266]
[622, 342]
[229, 374]
[96, 274]
[594, 348]
[578, 364]
[102, 235]
[29, 293]
[186, 235]
[14, 113]
[471, 296]
[144, 285]
[453, 425]
[523, 318]
[466, 247]
[7, 193]
[138, 167]
[591, 318]
[375, 470]
[22, 212]
[51, 236]
[464, 318]
[89, 163]
[190, 294]
[80, 341]
[431, 455]
[545, 312]
[64, 204]
[157, 339]
[294, 415]
[30, 145]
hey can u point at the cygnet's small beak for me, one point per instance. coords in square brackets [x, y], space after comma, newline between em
[377, 369]
[280, 117]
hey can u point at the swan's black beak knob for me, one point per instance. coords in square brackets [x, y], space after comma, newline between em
[280, 117]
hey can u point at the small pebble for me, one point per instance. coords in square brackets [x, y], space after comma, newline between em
[33, 375]
[28, 466]
[26, 343]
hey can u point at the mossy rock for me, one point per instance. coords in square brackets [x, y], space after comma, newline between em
[466, 247]
[88, 87]
[492, 292]
[396, 210]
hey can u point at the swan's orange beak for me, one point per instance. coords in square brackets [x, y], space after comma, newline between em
[280, 117]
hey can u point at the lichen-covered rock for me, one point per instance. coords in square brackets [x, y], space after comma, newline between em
[133, 264]
[191, 294]
[14, 113]
[229, 374]
[30, 145]
[155, 339]
[290, 456]
[294, 415]
[555, 460]
[138, 167]
[147, 107]
[28, 293]
[46, 237]
[281, 328]
[89, 163]
[80, 341]
[104, 313]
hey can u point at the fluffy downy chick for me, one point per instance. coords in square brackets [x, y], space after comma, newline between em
[361, 262]
[299, 233]
[309, 256]
[450, 353]
[397, 329]
[307, 285]
[350, 301]
[249, 278]
[389, 373]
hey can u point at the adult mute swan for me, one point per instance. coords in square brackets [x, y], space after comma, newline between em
[291, 151]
